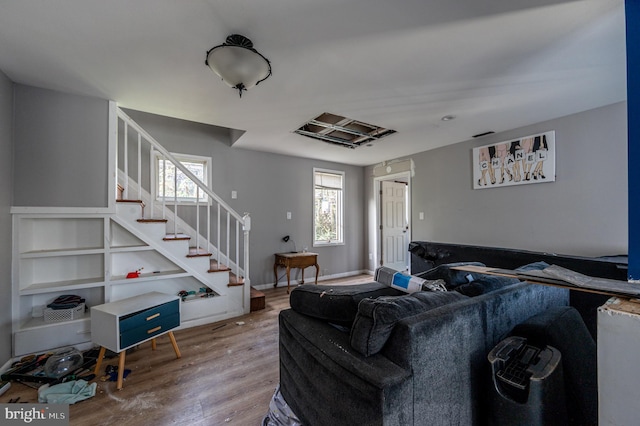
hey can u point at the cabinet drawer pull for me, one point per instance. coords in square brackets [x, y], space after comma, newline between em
[153, 316]
[153, 330]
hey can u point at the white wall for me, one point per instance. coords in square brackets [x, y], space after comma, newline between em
[584, 212]
[53, 129]
[6, 134]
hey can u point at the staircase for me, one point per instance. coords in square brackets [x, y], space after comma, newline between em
[141, 243]
[203, 238]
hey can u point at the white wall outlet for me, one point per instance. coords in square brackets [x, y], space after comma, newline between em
[370, 256]
[234, 195]
[421, 215]
[288, 215]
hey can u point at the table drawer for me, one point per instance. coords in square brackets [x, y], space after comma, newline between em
[149, 317]
[150, 329]
[302, 262]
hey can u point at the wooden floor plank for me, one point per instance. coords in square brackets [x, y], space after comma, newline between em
[226, 376]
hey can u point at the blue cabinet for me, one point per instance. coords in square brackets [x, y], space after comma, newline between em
[122, 324]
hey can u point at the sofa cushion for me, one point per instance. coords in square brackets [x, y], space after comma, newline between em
[451, 277]
[376, 318]
[337, 304]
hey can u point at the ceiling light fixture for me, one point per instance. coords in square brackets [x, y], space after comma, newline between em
[238, 64]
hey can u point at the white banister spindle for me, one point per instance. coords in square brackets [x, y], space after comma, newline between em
[208, 224]
[116, 153]
[246, 220]
[218, 237]
[152, 184]
[175, 201]
[140, 169]
[125, 194]
[198, 217]
[237, 259]
[164, 187]
[228, 251]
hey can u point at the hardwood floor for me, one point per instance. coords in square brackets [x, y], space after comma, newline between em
[226, 376]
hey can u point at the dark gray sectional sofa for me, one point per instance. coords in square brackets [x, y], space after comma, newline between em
[430, 367]
[371, 355]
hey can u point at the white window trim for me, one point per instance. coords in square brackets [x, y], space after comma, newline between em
[180, 157]
[313, 209]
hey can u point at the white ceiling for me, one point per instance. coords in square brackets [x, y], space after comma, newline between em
[401, 64]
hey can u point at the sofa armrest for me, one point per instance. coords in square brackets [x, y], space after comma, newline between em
[331, 348]
[325, 382]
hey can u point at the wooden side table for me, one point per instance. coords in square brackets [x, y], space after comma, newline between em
[119, 325]
[295, 260]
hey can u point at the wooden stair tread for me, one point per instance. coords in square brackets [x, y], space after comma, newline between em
[176, 237]
[234, 280]
[214, 266]
[152, 220]
[198, 252]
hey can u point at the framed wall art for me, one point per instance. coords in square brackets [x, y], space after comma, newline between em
[530, 159]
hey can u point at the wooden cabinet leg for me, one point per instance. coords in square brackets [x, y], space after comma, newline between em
[153, 344]
[121, 369]
[174, 344]
[99, 360]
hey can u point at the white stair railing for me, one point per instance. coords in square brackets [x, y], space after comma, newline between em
[222, 236]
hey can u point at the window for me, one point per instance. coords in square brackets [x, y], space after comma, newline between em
[166, 179]
[328, 207]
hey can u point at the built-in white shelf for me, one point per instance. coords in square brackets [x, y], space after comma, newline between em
[123, 280]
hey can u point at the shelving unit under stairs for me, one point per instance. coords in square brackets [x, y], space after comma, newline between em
[90, 255]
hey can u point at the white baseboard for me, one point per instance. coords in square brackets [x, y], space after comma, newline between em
[322, 278]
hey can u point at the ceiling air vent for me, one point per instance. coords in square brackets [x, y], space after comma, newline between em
[342, 131]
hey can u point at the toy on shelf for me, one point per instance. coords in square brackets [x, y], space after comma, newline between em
[134, 274]
[192, 294]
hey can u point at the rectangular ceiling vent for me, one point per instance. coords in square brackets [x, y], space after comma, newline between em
[342, 131]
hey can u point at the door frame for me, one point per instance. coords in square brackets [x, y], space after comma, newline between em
[377, 187]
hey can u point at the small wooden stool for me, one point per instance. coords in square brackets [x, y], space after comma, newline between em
[122, 355]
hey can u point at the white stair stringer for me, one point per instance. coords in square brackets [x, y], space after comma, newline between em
[228, 303]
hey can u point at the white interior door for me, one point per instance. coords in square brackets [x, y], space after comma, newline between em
[394, 225]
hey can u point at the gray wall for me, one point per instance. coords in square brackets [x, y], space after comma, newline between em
[6, 132]
[584, 212]
[268, 186]
[53, 129]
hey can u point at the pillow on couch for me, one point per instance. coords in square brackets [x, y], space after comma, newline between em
[451, 277]
[376, 318]
[485, 284]
[535, 266]
[337, 304]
